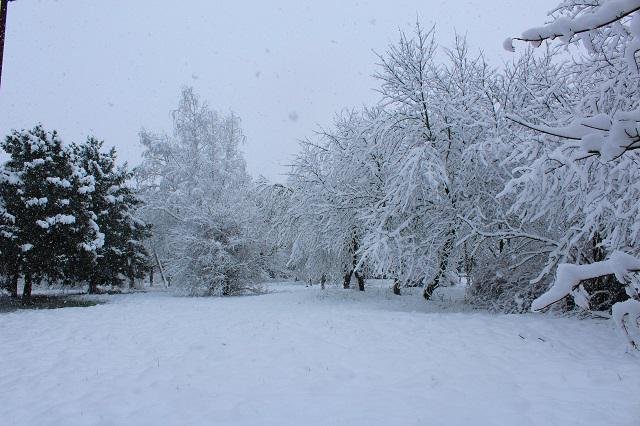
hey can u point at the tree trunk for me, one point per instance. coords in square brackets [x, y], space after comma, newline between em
[347, 276]
[93, 287]
[28, 287]
[3, 28]
[442, 267]
[360, 279]
[468, 262]
[396, 287]
[428, 290]
[151, 277]
[605, 290]
[13, 286]
[347, 280]
[167, 282]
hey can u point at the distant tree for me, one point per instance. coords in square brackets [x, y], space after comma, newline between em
[328, 192]
[197, 196]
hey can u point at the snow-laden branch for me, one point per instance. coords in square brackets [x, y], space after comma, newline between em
[568, 282]
[608, 120]
[565, 28]
[626, 315]
[608, 136]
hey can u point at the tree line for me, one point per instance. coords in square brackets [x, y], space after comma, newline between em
[462, 172]
[493, 176]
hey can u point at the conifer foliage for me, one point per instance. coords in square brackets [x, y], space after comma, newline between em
[63, 209]
[114, 203]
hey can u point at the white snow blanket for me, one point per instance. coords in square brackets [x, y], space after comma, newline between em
[300, 356]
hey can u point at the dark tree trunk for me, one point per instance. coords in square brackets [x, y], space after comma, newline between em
[428, 290]
[354, 263]
[347, 280]
[442, 267]
[132, 276]
[166, 280]
[28, 287]
[151, 277]
[13, 286]
[3, 28]
[360, 279]
[605, 291]
[468, 262]
[93, 287]
[396, 287]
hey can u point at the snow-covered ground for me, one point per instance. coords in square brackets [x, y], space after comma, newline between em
[300, 356]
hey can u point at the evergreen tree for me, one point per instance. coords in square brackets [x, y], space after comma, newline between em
[9, 254]
[46, 220]
[114, 203]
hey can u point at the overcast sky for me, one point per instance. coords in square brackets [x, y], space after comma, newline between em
[109, 68]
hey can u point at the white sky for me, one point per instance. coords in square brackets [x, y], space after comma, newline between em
[109, 68]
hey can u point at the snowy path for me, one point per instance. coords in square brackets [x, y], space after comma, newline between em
[298, 357]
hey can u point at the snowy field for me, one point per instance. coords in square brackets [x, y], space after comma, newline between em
[298, 356]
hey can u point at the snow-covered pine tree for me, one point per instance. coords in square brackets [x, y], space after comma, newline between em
[9, 252]
[131, 231]
[45, 198]
[114, 203]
